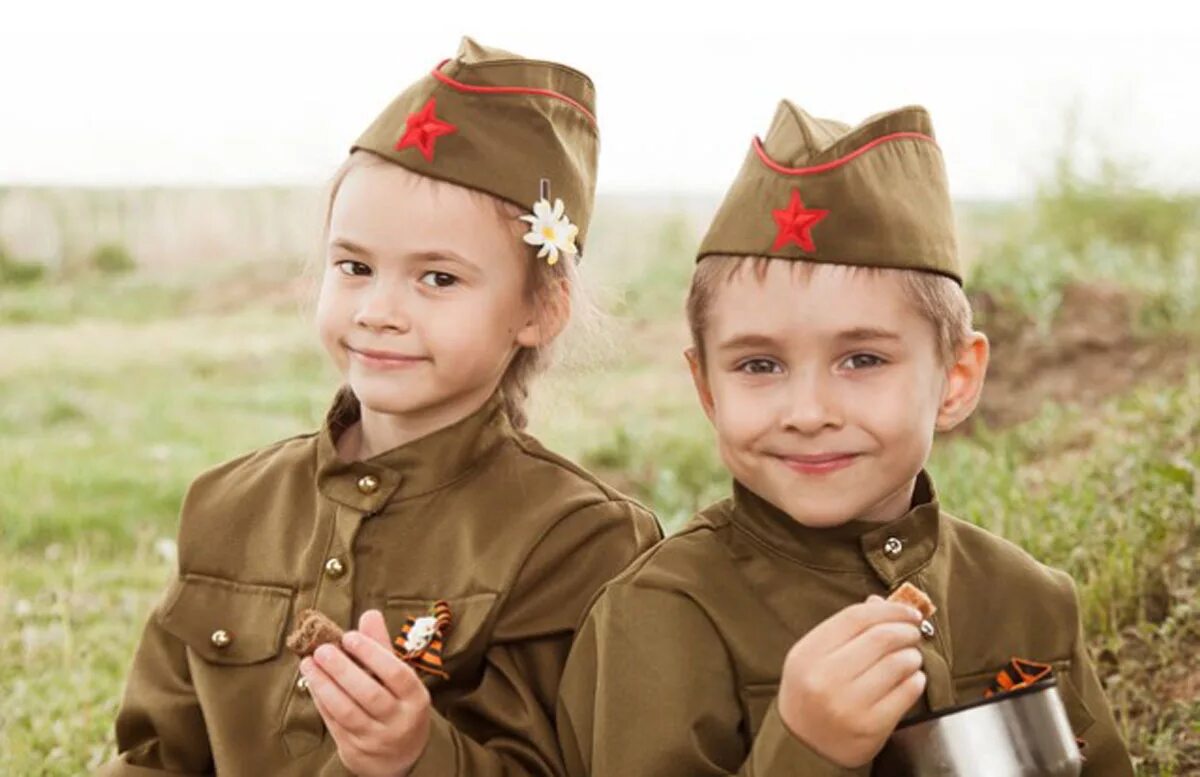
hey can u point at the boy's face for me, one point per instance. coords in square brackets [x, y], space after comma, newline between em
[825, 390]
[423, 300]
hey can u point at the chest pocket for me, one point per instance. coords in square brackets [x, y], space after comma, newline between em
[469, 616]
[227, 622]
[970, 687]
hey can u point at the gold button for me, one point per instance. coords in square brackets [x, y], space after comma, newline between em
[335, 568]
[368, 484]
[302, 684]
[927, 630]
[893, 547]
[221, 638]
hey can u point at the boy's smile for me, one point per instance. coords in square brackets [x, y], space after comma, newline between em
[825, 387]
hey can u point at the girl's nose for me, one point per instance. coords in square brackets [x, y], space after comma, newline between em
[383, 309]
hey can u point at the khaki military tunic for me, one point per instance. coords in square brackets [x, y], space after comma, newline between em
[675, 671]
[515, 538]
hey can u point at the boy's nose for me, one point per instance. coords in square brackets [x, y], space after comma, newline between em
[812, 405]
[383, 309]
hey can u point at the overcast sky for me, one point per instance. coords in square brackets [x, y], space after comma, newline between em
[166, 92]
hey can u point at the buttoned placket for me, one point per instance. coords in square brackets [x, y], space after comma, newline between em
[333, 592]
[896, 558]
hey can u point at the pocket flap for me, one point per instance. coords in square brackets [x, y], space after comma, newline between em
[227, 622]
[971, 687]
[1077, 710]
[757, 699]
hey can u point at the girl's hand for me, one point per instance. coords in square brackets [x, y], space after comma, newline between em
[847, 683]
[374, 704]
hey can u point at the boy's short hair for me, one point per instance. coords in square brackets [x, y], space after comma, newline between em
[940, 300]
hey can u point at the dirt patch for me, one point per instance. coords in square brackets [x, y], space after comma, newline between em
[1091, 352]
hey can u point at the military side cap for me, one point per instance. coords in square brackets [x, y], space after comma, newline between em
[519, 129]
[874, 195]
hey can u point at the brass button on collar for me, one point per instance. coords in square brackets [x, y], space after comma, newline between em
[335, 568]
[893, 547]
[221, 638]
[368, 484]
[927, 630]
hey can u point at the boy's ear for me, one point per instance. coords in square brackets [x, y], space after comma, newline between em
[700, 380]
[547, 321]
[964, 383]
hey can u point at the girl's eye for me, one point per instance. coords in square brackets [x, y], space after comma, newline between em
[353, 268]
[862, 361]
[760, 366]
[438, 280]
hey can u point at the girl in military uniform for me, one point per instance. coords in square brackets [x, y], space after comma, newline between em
[457, 551]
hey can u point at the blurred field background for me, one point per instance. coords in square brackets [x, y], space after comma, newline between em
[146, 335]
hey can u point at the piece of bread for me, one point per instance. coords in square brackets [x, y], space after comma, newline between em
[914, 597]
[313, 630]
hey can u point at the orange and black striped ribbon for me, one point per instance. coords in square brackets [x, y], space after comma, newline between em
[1018, 673]
[1022, 673]
[429, 658]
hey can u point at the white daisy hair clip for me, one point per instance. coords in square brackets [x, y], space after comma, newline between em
[550, 228]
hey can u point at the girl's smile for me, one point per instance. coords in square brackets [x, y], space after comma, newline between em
[421, 316]
[383, 360]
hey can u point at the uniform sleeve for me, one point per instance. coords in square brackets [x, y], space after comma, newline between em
[1105, 752]
[160, 727]
[650, 691]
[510, 713]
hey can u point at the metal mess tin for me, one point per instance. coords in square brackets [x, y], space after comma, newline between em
[1024, 733]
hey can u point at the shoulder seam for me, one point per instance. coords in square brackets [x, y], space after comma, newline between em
[608, 493]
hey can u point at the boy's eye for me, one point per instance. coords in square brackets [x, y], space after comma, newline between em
[353, 268]
[760, 366]
[860, 361]
[438, 280]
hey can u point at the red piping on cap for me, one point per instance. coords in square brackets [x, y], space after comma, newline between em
[771, 163]
[460, 86]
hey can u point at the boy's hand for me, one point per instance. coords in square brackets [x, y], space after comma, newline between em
[374, 704]
[847, 682]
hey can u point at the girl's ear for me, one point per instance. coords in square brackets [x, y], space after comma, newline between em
[703, 392]
[964, 383]
[548, 320]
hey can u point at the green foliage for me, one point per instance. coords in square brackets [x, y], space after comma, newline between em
[14, 272]
[1099, 226]
[112, 259]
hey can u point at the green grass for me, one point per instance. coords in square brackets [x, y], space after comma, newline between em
[71, 622]
[116, 391]
[1100, 228]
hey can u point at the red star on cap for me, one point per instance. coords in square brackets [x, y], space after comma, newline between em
[422, 129]
[795, 224]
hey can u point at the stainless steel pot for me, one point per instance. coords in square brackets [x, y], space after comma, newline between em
[1019, 734]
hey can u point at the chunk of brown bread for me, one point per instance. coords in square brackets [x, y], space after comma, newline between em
[914, 597]
[313, 630]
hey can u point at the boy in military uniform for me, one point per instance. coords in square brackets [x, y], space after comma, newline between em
[456, 550]
[831, 339]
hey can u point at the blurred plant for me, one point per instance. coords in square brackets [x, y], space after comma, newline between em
[1099, 223]
[1111, 205]
[112, 259]
[658, 279]
[14, 272]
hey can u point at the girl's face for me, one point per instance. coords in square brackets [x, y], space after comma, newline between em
[423, 302]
